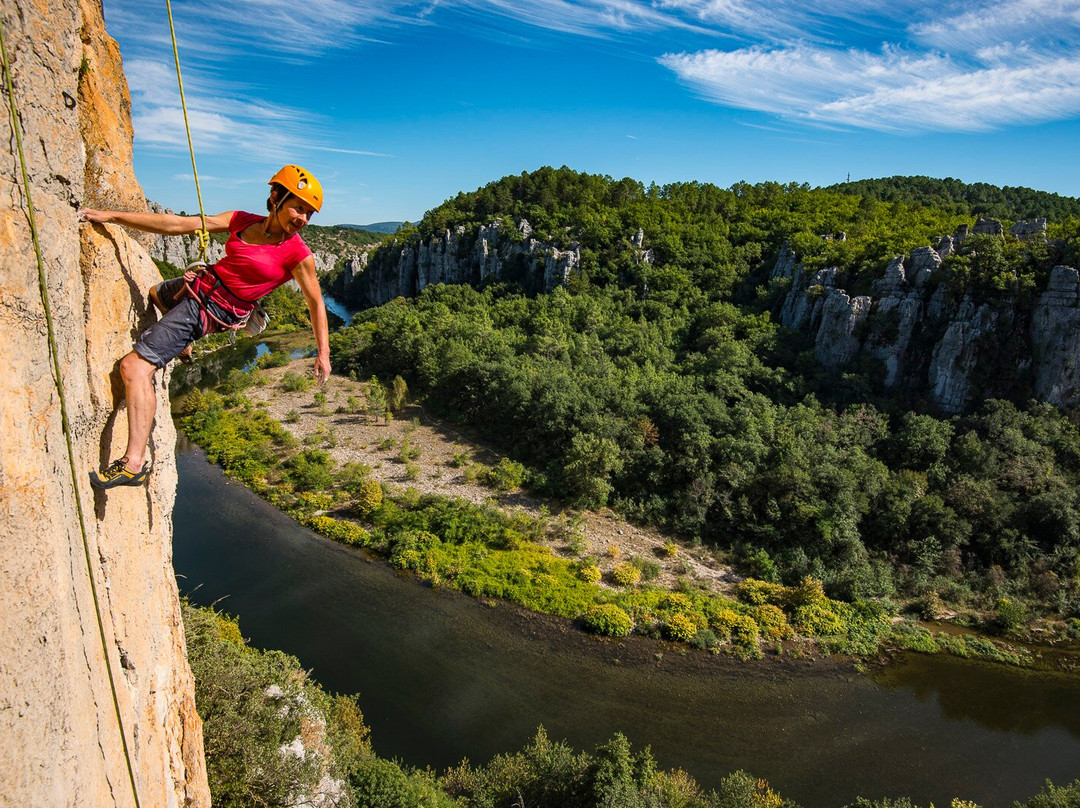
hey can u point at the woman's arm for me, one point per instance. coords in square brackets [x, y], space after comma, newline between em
[308, 280]
[165, 224]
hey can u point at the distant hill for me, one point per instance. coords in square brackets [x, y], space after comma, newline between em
[968, 199]
[378, 227]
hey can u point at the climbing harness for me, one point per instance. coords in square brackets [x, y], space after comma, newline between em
[203, 234]
[58, 382]
[202, 282]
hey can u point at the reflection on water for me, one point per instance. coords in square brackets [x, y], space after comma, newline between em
[998, 699]
[443, 677]
[335, 306]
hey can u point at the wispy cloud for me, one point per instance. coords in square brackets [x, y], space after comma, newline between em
[982, 68]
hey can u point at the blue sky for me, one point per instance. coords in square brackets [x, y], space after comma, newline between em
[398, 106]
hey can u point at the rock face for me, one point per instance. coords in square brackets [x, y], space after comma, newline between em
[398, 269]
[955, 350]
[64, 735]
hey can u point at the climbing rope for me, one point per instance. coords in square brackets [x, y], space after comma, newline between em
[59, 384]
[203, 234]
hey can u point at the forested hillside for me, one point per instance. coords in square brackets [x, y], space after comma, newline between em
[657, 382]
[971, 199]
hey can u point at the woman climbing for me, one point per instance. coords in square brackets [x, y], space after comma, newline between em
[261, 254]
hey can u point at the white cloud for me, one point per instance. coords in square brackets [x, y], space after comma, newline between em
[959, 68]
[1044, 23]
[892, 90]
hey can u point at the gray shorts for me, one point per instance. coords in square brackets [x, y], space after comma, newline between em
[164, 340]
[180, 326]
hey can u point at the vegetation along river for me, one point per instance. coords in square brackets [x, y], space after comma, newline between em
[444, 677]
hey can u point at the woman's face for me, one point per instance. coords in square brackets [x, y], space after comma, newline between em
[294, 214]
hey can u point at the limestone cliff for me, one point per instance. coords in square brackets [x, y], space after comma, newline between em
[957, 350]
[397, 269]
[64, 738]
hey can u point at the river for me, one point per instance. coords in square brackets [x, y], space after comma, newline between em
[443, 677]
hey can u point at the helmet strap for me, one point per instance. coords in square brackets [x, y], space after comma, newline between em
[274, 213]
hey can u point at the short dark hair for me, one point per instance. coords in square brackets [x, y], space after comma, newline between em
[277, 189]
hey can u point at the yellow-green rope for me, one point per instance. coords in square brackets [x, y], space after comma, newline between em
[59, 383]
[204, 235]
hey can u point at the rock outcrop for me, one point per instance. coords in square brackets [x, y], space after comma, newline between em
[69, 728]
[956, 350]
[397, 269]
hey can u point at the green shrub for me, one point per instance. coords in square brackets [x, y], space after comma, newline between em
[817, 620]
[274, 359]
[295, 383]
[608, 620]
[412, 550]
[408, 451]
[506, 475]
[675, 602]
[705, 639]
[310, 470]
[763, 567]
[650, 570]
[235, 382]
[1055, 797]
[1009, 614]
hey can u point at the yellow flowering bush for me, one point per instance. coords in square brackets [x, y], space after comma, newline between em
[756, 592]
[745, 631]
[809, 592]
[682, 627]
[338, 530]
[676, 602]
[313, 501]
[723, 621]
[369, 497]
[590, 573]
[626, 574]
[773, 622]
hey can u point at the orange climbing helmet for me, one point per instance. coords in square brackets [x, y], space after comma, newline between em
[300, 183]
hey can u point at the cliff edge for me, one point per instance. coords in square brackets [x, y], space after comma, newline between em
[76, 733]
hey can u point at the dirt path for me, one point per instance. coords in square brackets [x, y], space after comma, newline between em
[445, 460]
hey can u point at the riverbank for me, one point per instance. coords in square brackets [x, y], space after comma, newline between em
[455, 516]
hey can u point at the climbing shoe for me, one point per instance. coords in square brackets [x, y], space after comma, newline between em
[118, 474]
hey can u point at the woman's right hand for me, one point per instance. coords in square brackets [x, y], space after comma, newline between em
[95, 216]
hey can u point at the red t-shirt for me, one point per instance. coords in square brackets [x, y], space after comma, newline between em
[253, 270]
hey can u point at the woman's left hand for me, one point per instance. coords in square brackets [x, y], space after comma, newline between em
[322, 369]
